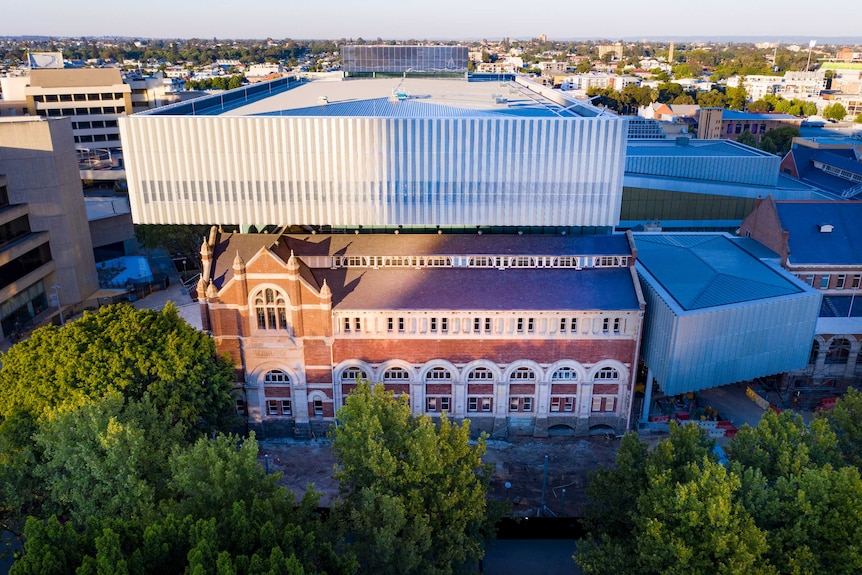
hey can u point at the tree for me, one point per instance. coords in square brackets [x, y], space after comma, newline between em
[792, 484]
[759, 106]
[845, 420]
[778, 140]
[835, 111]
[584, 66]
[736, 97]
[711, 99]
[119, 348]
[412, 493]
[747, 138]
[104, 461]
[668, 91]
[672, 510]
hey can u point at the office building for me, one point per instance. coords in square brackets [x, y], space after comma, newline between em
[44, 236]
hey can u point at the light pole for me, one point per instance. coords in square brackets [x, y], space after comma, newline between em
[56, 288]
[810, 46]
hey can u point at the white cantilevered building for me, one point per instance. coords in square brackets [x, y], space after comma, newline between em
[379, 153]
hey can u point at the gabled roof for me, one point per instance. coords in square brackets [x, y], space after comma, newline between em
[808, 245]
[846, 161]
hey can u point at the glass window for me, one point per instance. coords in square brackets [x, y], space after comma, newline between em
[565, 374]
[607, 373]
[270, 310]
[604, 404]
[276, 376]
[522, 374]
[351, 374]
[438, 374]
[824, 281]
[272, 407]
[396, 374]
[838, 352]
[285, 407]
[318, 407]
[480, 374]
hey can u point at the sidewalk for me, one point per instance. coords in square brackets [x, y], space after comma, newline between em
[189, 310]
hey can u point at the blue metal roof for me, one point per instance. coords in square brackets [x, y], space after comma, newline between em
[413, 108]
[708, 270]
[842, 161]
[710, 148]
[808, 245]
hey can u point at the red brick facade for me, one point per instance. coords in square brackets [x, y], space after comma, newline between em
[276, 321]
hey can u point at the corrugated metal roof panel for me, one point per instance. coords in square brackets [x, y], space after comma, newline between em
[843, 245]
[708, 270]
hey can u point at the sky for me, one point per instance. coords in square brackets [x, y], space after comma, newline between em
[439, 19]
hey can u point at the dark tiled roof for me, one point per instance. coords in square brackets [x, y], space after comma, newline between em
[808, 245]
[480, 289]
[448, 288]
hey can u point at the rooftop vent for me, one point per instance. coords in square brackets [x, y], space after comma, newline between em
[322, 100]
[682, 141]
[826, 228]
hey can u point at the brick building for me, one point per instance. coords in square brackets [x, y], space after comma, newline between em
[820, 242]
[531, 335]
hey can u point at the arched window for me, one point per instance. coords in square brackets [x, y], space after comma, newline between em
[438, 374]
[607, 373]
[565, 374]
[480, 374]
[396, 374]
[270, 306]
[839, 351]
[522, 374]
[815, 351]
[276, 376]
[351, 374]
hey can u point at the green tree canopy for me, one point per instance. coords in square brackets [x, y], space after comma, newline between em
[119, 348]
[412, 492]
[747, 138]
[835, 111]
[845, 420]
[778, 140]
[672, 510]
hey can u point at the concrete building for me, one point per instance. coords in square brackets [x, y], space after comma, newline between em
[615, 49]
[731, 123]
[149, 92]
[94, 98]
[821, 244]
[44, 237]
[524, 335]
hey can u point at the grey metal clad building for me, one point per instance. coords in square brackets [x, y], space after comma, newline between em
[378, 153]
[414, 60]
[704, 185]
[719, 313]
